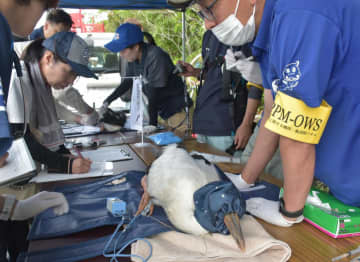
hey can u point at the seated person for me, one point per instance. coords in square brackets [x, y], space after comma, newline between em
[163, 89]
[55, 62]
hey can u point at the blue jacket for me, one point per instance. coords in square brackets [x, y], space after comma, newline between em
[212, 116]
[6, 61]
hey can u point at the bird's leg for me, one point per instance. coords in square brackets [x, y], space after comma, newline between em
[232, 223]
[145, 199]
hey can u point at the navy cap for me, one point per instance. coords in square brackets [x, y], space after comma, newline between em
[73, 50]
[126, 35]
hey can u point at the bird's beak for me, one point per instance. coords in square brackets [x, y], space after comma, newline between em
[232, 223]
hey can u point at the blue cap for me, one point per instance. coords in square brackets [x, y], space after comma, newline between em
[126, 35]
[73, 50]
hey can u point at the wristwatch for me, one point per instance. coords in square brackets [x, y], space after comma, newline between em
[288, 213]
[8, 205]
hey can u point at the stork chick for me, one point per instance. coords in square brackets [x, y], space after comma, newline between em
[171, 183]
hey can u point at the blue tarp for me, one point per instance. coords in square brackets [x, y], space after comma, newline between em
[115, 4]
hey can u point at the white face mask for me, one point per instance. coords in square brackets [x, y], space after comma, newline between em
[232, 32]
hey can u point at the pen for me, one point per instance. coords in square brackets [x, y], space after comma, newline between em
[78, 152]
[350, 253]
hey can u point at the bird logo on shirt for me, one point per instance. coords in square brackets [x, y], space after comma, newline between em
[290, 78]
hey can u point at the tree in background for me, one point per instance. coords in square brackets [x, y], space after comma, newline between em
[166, 28]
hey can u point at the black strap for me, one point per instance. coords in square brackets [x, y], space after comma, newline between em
[288, 213]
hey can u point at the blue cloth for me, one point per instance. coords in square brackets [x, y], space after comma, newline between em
[87, 205]
[215, 200]
[261, 189]
[37, 33]
[165, 138]
[6, 61]
[88, 210]
[310, 50]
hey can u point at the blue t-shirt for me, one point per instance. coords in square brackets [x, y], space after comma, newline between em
[6, 61]
[310, 50]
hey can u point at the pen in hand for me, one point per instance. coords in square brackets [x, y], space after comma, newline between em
[78, 152]
[80, 164]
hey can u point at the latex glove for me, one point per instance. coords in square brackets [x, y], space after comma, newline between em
[238, 181]
[36, 204]
[103, 109]
[249, 70]
[89, 119]
[231, 58]
[80, 165]
[268, 211]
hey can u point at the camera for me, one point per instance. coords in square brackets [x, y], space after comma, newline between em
[179, 68]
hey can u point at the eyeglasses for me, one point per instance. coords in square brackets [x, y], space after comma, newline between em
[206, 13]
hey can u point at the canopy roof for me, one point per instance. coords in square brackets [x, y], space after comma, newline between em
[115, 4]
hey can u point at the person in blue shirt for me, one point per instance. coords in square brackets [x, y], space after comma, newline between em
[18, 17]
[57, 20]
[309, 55]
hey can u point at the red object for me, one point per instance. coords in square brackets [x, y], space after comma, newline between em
[79, 27]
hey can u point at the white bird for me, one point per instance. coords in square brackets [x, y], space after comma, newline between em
[172, 180]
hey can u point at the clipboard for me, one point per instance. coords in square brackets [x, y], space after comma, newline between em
[19, 166]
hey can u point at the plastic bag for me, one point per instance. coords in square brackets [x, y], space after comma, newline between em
[166, 138]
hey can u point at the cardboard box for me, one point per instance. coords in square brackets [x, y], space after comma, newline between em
[331, 216]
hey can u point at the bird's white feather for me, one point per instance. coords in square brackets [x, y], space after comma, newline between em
[172, 180]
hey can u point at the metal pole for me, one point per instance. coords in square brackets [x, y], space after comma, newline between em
[187, 102]
[183, 35]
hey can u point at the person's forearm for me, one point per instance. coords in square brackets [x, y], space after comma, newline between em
[251, 108]
[54, 161]
[266, 144]
[120, 90]
[298, 164]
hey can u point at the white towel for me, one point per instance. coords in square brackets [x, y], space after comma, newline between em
[173, 246]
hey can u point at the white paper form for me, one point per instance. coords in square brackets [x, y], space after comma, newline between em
[107, 154]
[19, 163]
[97, 169]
